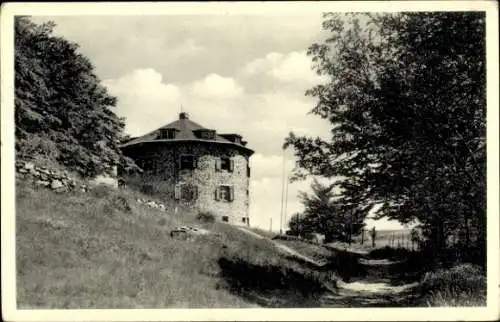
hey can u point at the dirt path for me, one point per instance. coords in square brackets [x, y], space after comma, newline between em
[366, 294]
[361, 293]
[286, 250]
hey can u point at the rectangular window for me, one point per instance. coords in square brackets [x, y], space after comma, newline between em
[225, 218]
[224, 193]
[224, 163]
[208, 134]
[167, 134]
[147, 164]
[205, 134]
[186, 192]
[248, 171]
[187, 162]
[244, 220]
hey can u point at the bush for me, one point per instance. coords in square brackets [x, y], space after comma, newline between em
[148, 185]
[102, 191]
[461, 285]
[34, 146]
[205, 216]
[390, 252]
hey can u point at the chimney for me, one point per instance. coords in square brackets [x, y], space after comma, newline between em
[183, 116]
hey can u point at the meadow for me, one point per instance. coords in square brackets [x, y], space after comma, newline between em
[101, 249]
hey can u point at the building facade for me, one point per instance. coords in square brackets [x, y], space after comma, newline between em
[197, 168]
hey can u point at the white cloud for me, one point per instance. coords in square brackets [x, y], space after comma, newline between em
[143, 99]
[288, 68]
[190, 47]
[217, 87]
[143, 82]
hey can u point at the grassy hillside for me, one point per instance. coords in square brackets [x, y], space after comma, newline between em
[103, 250]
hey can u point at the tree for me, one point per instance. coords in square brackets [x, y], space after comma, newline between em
[406, 100]
[60, 105]
[300, 226]
[326, 214]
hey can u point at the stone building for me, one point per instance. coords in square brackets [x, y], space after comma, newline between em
[197, 168]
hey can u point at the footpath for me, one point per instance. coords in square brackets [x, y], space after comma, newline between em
[360, 293]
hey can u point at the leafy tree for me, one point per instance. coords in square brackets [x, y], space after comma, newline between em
[406, 100]
[300, 226]
[326, 214]
[60, 103]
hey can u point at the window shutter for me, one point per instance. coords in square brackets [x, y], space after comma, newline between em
[217, 165]
[231, 193]
[177, 192]
[195, 192]
[231, 165]
[217, 193]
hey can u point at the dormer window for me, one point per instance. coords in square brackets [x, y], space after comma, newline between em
[235, 138]
[166, 134]
[205, 134]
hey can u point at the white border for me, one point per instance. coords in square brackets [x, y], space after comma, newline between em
[9, 312]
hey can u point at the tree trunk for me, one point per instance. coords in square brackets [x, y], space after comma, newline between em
[437, 240]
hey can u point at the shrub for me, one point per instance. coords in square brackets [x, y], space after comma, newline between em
[461, 285]
[205, 216]
[148, 185]
[101, 191]
[33, 146]
[390, 252]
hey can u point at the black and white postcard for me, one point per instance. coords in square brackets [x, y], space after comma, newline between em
[250, 161]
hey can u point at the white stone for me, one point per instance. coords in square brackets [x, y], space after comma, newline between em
[42, 183]
[105, 179]
[29, 165]
[56, 184]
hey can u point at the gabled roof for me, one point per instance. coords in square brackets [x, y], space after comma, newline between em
[185, 129]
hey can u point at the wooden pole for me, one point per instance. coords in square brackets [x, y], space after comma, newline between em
[286, 202]
[282, 193]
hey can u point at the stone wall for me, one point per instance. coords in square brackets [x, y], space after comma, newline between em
[56, 179]
[162, 160]
[43, 176]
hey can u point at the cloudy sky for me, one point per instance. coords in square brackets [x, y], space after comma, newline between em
[234, 73]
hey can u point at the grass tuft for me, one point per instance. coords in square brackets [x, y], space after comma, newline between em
[205, 216]
[460, 285]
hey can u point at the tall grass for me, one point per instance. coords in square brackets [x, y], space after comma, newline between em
[461, 285]
[103, 250]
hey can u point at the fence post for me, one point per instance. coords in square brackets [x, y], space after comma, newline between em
[374, 236]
